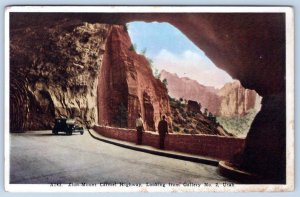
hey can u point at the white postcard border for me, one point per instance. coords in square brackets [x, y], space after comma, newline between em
[289, 186]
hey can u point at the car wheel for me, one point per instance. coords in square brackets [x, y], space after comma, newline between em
[81, 132]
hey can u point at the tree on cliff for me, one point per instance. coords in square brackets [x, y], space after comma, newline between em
[205, 112]
[165, 82]
[144, 51]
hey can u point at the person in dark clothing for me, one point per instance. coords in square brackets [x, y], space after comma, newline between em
[162, 130]
[139, 123]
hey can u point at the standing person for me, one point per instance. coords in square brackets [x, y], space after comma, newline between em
[139, 123]
[162, 130]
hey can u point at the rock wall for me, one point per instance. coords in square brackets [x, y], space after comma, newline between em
[236, 100]
[53, 71]
[250, 47]
[192, 90]
[126, 79]
[231, 100]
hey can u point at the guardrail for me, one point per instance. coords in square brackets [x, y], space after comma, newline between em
[218, 147]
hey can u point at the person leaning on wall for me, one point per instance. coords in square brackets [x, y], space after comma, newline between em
[162, 130]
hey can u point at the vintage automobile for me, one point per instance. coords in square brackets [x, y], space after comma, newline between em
[63, 124]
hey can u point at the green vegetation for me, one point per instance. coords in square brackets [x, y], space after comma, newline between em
[176, 129]
[205, 112]
[144, 51]
[239, 126]
[156, 73]
[125, 27]
[165, 82]
[133, 47]
[187, 121]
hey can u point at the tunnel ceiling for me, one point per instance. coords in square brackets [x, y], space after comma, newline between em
[249, 46]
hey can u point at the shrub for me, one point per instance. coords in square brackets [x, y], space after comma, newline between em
[125, 27]
[176, 129]
[132, 47]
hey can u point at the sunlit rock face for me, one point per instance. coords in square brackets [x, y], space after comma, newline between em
[231, 100]
[191, 90]
[53, 71]
[236, 100]
[126, 81]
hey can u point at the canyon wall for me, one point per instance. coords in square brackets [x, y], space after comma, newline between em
[53, 72]
[80, 70]
[231, 100]
[191, 90]
[126, 79]
[236, 100]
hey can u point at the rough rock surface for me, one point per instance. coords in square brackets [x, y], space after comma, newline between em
[191, 90]
[250, 47]
[53, 71]
[231, 100]
[126, 79]
[236, 100]
[56, 71]
[187, 118]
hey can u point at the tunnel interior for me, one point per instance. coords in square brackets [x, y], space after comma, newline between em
[251, 47]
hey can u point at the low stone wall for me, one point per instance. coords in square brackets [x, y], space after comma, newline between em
[217, 147]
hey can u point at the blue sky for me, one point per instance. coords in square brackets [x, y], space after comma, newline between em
[173, 51]
[154, 36]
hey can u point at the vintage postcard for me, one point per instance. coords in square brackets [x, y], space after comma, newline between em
[149, 99]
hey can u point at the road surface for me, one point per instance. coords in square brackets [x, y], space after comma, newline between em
[42, 158]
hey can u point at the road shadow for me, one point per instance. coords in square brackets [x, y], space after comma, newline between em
[49, 134]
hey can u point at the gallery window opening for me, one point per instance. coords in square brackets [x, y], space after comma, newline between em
[203, 98]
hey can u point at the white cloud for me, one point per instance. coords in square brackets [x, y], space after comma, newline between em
[192, 65]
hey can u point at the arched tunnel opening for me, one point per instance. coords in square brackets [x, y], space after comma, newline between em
[250, 47]
[194, 84]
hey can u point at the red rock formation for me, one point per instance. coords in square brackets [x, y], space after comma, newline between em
[191, 90]
[54, 71]
[126, 77]
[231, 100]
[235, 99]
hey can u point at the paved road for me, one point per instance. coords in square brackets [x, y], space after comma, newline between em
[42, 158]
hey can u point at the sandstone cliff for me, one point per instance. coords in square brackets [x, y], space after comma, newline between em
[236, 100]
[231, 100]
[55, 69]
[126, 79]
[191, 90]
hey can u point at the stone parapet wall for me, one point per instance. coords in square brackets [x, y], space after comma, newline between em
[217, 147]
